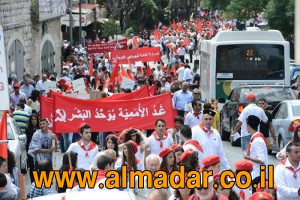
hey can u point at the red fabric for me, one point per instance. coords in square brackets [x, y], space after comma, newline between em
[92, 146]
[140, 54]
[3, 135]
[46, 109]
[196, 144]
[242, 195]
[111, 115]
[106, 46]
[185, 43]
[152, 90]
[140, 93]
[197, 115]
[101, 175]
[256, 136]
[135, 41]
[205, 129]
[91, 69]
[114, 75]
[160, 139]
[149, 71]
[199, 26]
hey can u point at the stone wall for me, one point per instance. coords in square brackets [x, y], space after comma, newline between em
[16, 21]
[54, 35]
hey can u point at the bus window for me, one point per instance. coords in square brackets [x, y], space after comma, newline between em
[251, 61]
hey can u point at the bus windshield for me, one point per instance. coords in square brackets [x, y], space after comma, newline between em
[250, 61]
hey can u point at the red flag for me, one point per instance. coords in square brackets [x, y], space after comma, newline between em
[3, 135]
[135, 41]
[174, 25]
[156, 34]
[149, 71]
[124, 73]
[114, 75]
[174, 71]
[152, 90]
[91, 70]
[130, 68]
[199, 25]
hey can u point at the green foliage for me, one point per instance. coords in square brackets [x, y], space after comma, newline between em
[128, 31]
[110, 28]
[243, 10]
[280, 15]
[216, 4]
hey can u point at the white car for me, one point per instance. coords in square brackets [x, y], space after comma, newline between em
[17, 143]
[285, 119]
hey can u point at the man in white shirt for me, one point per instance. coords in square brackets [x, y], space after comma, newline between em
[180, 71]
[187, 74]
[41, 84]
[85, 148]
[209, 138]
[159, 139]
[257, 149]
[27, 88]
[194, 117]
[250, 109]
[287, 174]
[158, 73]
[188, 143]
[181, 53]
[152, 164]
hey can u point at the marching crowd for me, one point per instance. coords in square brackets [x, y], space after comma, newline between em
[194, 142]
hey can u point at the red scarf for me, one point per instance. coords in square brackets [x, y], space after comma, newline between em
[196, 144]
[290, 168]
[205, 129]
[101, 175]
[92, 146]
[197, 115]
[160, 139]
[257, 135]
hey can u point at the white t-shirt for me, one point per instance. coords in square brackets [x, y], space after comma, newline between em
[251, 109]
[154, 145]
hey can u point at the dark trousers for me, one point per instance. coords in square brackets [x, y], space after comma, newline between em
[180, 113]
[191, 55]
[181, 58]
[30, 164]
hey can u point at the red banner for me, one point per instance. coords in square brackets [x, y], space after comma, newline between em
[111, 115]
[46, 105]
[133, 55]
[137, 94]
[106, 46]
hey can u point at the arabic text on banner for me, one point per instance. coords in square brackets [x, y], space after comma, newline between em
[106, 46]
[103, 116]
[140, 54]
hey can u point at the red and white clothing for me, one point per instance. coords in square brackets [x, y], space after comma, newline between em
[140, 156]
[211, 143]
[194, 144]
[287, 180]
[156, 144]
[258, 149]
[243, 194]
[193, 119]
[86, 154]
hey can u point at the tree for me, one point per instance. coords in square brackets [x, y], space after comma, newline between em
[280, 16]
[110, 28]
[243, 10]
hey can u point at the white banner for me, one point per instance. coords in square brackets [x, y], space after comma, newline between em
[127, 83]
[79, 86]
[4, 92]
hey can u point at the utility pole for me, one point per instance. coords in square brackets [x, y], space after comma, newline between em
[80, 27]
[71, 22]
[297, 33]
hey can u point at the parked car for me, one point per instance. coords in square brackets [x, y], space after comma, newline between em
[274, 94]
[295, 71]
[285, 119]
[17, 143]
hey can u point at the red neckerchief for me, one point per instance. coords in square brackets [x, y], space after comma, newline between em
[290, 168]
[160, 139]
[196, 144]
[257, 135]
[205, 129]
[92, 146]
[101, 174]
[197, 115]
[242, 194]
